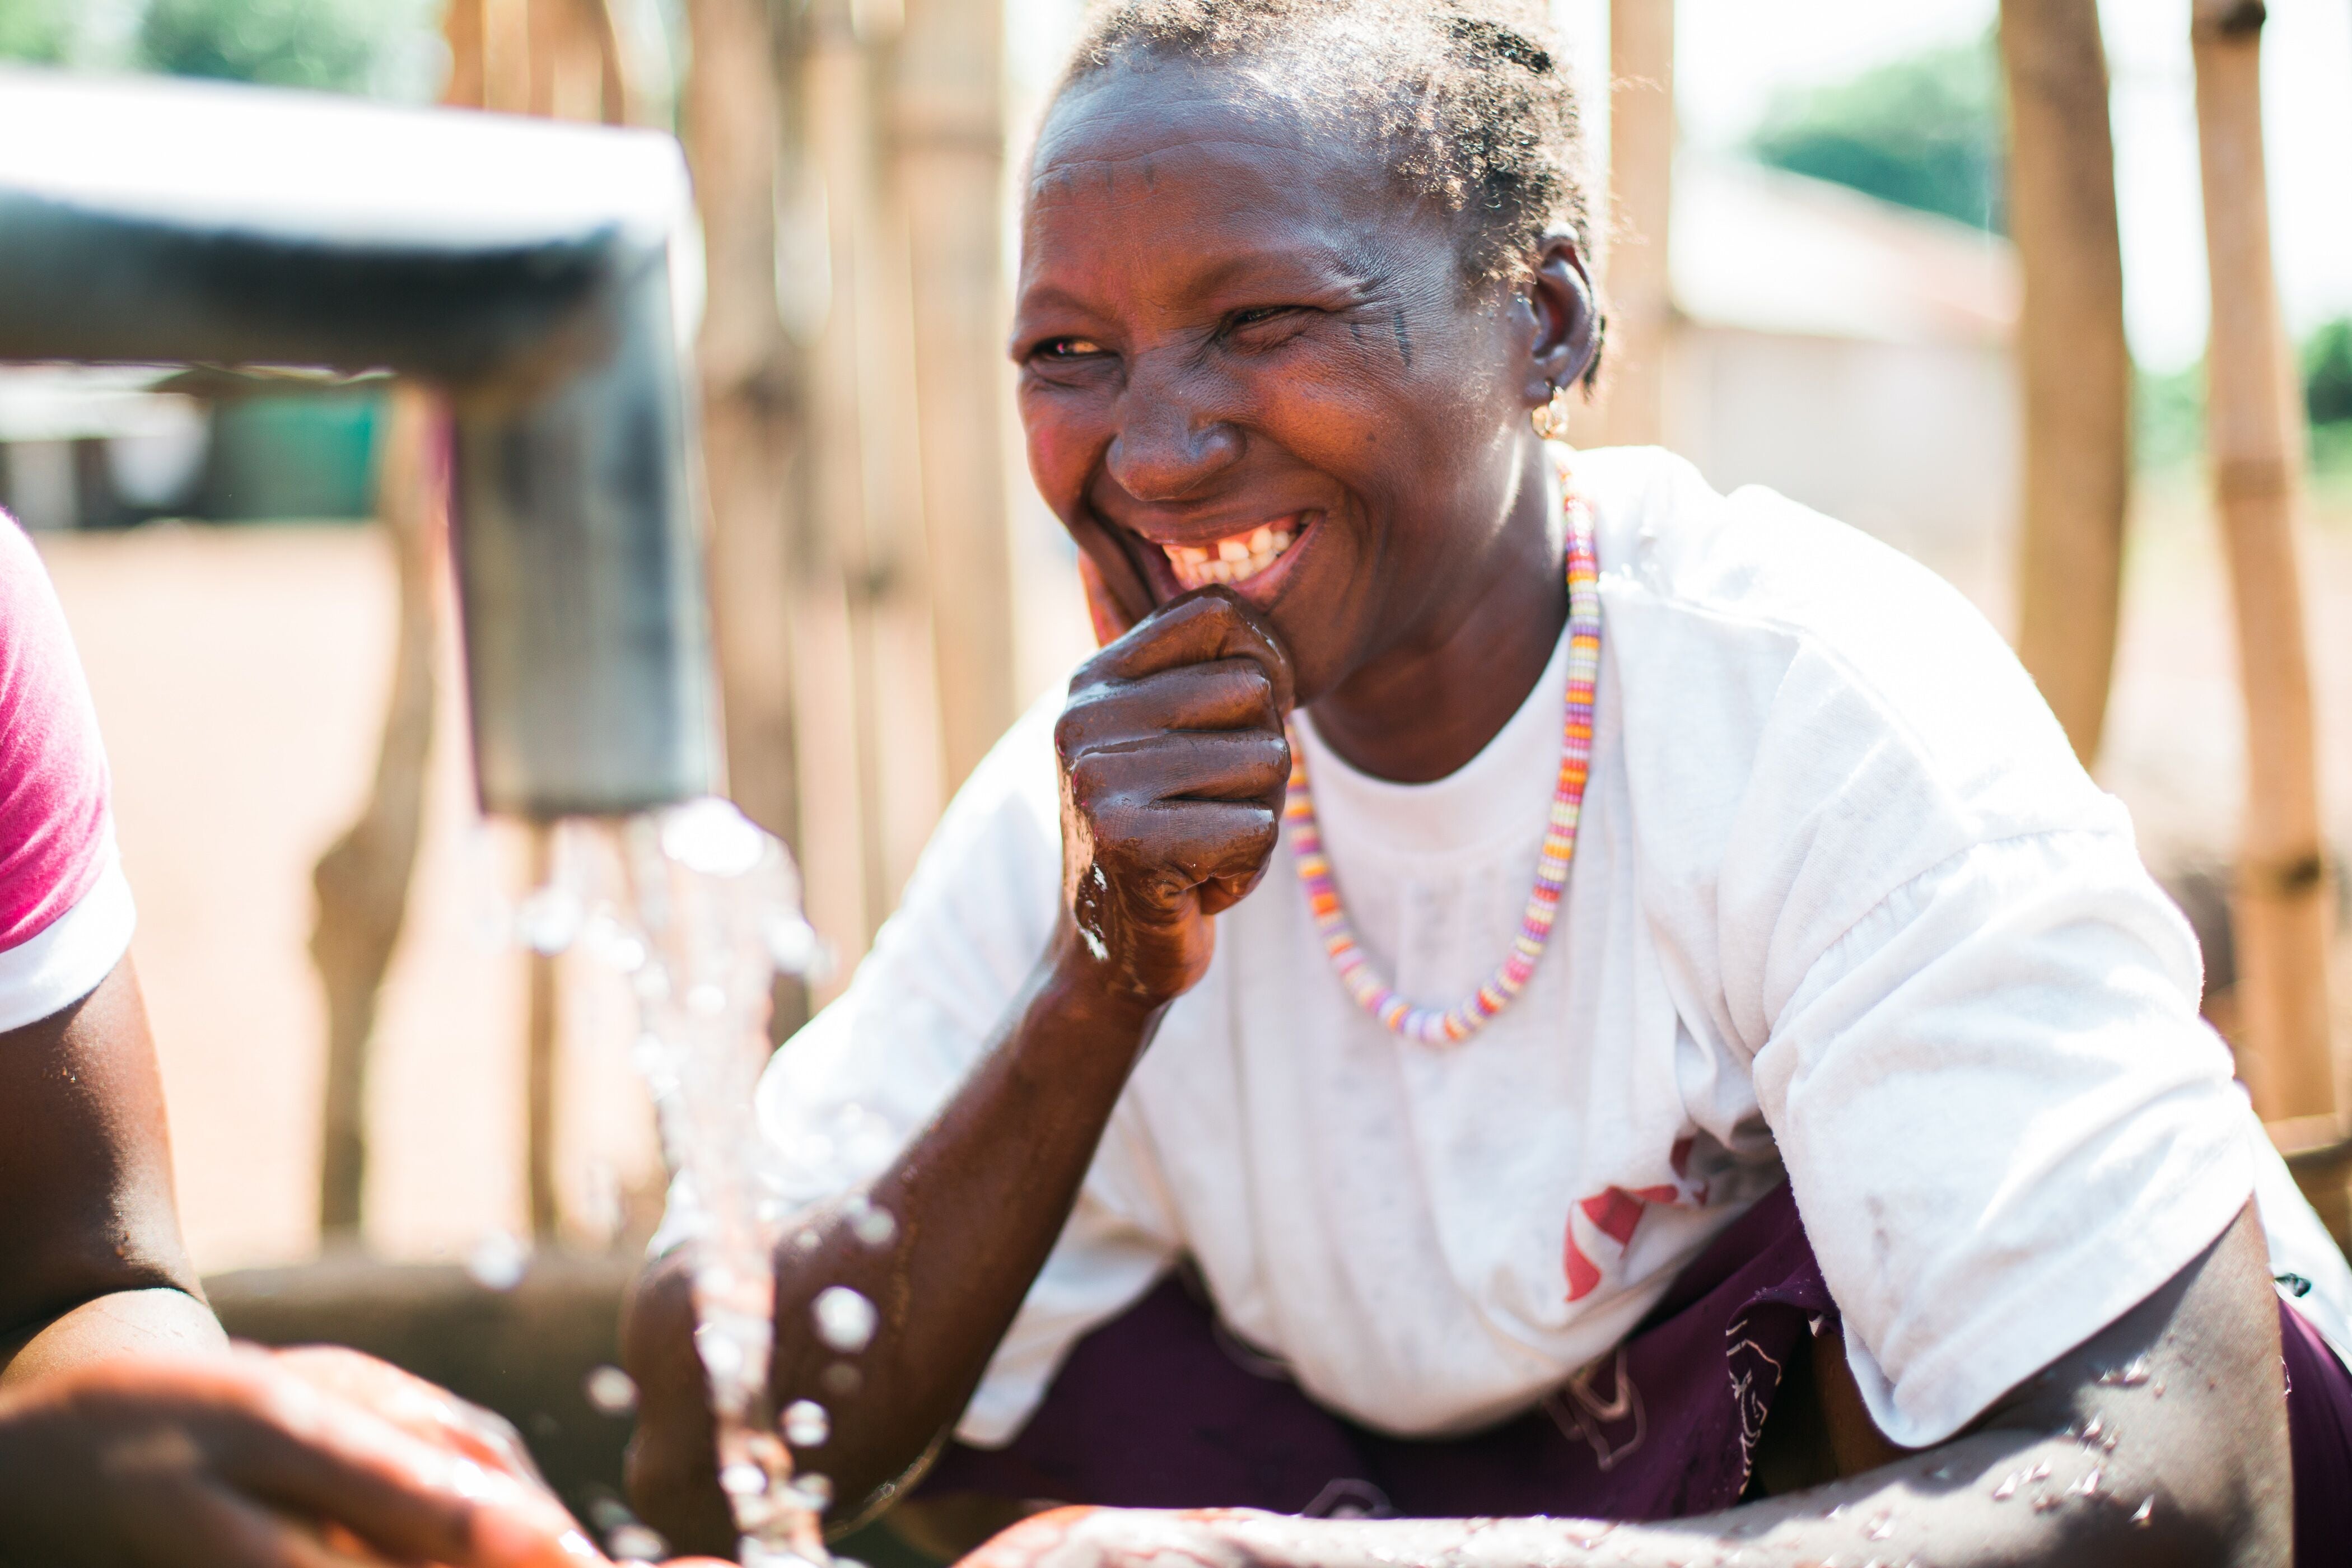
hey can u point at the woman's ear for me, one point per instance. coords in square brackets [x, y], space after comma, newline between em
[1567, 347]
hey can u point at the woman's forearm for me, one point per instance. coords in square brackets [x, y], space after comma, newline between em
[976, 1203]
[1995, 1500]
[162, 1320]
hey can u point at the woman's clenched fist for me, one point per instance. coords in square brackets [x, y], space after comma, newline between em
[1173, 766]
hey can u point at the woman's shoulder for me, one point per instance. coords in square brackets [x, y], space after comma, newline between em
[1758, 618]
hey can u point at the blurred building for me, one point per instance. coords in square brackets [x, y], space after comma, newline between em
[1851, 353]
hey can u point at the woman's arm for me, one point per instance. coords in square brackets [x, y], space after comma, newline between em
[1173, 766]
[91, 1264]
[2161, 1440]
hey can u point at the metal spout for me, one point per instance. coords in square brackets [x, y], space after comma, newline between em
[524, 268]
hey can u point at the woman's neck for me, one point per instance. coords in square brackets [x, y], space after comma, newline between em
[1420, 711]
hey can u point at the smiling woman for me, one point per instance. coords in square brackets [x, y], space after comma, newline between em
[1718, 1060]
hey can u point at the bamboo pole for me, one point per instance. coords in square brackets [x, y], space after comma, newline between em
[752, 425]
[2072, 355]
[2254, 434]
[362, 880]
[1641, 190]
[948, 119]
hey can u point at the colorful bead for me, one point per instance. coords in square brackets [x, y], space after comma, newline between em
[1430, 1025]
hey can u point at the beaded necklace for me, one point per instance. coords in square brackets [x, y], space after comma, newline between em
[1428, 1026]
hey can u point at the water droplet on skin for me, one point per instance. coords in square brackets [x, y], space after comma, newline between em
[2007, 1489]
[844, 1320]
[611, 1391]
[721, 1356]
[2040, 1472]
[2088, 1486]
[2159, 1389]
[1836, 1512]
[2131, 1374]
[806, 1425]
[1880, 1528]
[840, 1380]
[2147, 1510]
[874, 1227]
[637, 1544]
[2091, 1433]
[741, 1480]
[498, 1260]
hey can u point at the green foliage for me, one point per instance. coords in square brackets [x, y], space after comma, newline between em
[2168, 417]
[1925, 131]
[331, 44]
[2327, 374]
[39, 31]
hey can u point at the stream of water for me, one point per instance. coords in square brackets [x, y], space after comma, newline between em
[699, 911]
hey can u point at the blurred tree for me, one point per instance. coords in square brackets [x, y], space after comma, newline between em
[2327, 372]
[330, 44]
[39, 31]
[1924, 131]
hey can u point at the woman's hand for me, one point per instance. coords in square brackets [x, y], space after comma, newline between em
[1116, 1538]
[1173, 767]
[247, 1459]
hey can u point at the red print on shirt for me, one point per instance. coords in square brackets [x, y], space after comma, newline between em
[1612, 1214]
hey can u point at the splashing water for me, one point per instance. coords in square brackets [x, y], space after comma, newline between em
[700, 911]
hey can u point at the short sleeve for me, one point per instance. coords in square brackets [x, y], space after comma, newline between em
[2003, 1121]
[846, 1094]
[66, 914]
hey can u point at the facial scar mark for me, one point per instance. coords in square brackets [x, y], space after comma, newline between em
[1403, 337]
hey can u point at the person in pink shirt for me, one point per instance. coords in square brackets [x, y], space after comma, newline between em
[130, 1431]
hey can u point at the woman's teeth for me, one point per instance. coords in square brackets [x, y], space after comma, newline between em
[1234, 560]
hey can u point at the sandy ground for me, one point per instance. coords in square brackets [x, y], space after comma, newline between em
[239, 675]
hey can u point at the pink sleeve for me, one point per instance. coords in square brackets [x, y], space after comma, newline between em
[65, 914]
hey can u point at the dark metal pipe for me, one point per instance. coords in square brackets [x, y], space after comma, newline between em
[521, 266]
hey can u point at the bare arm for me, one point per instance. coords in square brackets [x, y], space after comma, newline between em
[89, 1234]
[2161, 1440]
[1173, 766]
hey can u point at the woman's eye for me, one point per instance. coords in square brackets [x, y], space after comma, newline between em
[1259, 313]
[1066, 349]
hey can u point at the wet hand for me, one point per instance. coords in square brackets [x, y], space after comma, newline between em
[1116, 1538]
[249, 1460]
[1173, 766]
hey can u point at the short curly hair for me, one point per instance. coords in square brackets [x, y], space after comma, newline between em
[1470, 99]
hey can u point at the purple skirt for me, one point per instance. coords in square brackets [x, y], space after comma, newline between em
[1162, 1408]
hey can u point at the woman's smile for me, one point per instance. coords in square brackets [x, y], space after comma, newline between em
[1253, 558]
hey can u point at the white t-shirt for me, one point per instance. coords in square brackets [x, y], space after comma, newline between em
[1843, 909]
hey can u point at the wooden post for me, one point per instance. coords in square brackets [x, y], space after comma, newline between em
[362, 880]
[751, 427]
[1640, 297]
[2072, 355]
[2254, 435]
[948, 119]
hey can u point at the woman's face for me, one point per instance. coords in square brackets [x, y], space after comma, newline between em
[1246, 357]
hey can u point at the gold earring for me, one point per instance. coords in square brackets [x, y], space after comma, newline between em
[1550, 420]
